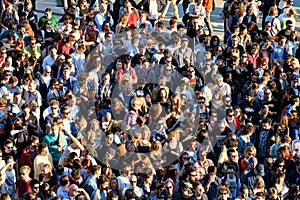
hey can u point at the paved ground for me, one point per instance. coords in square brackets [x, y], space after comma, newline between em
[217, 21]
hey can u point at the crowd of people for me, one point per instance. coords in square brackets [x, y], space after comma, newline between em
[111, 102]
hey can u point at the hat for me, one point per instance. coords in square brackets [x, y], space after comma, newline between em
[66, 67]
[250, 94]
[184, 39]
[260, 168]
[133, 178]
[111, 151]
[294, 78]
[123, 126]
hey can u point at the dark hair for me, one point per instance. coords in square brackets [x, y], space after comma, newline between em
[64, 180]
[42, 146]
[212, 169]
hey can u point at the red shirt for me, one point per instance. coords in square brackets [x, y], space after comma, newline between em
[23, 187]
[65, 49]
[193, 82]
[132, 19]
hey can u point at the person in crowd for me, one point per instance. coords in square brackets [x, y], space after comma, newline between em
[149, 92]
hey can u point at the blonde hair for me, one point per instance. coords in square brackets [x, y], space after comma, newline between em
[258, 180]
[146, 129]
[48, 166]
[135, 101]
[250, 149]
[25, 168]
[273, 11]
[126, 78]
[175, 134]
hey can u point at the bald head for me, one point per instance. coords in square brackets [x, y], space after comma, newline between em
[47, 71]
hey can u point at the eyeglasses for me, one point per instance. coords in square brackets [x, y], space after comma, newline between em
[54, 108]
[9, 147]
[281, 166]
[133, 181]
[223, 193]
[230, 115]
[8, 74]
[201, 102]
[230, 172]
[168, 61]
[3, 52]
[91, 26]
[193, 175]
[36, 187]
[32, 43]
